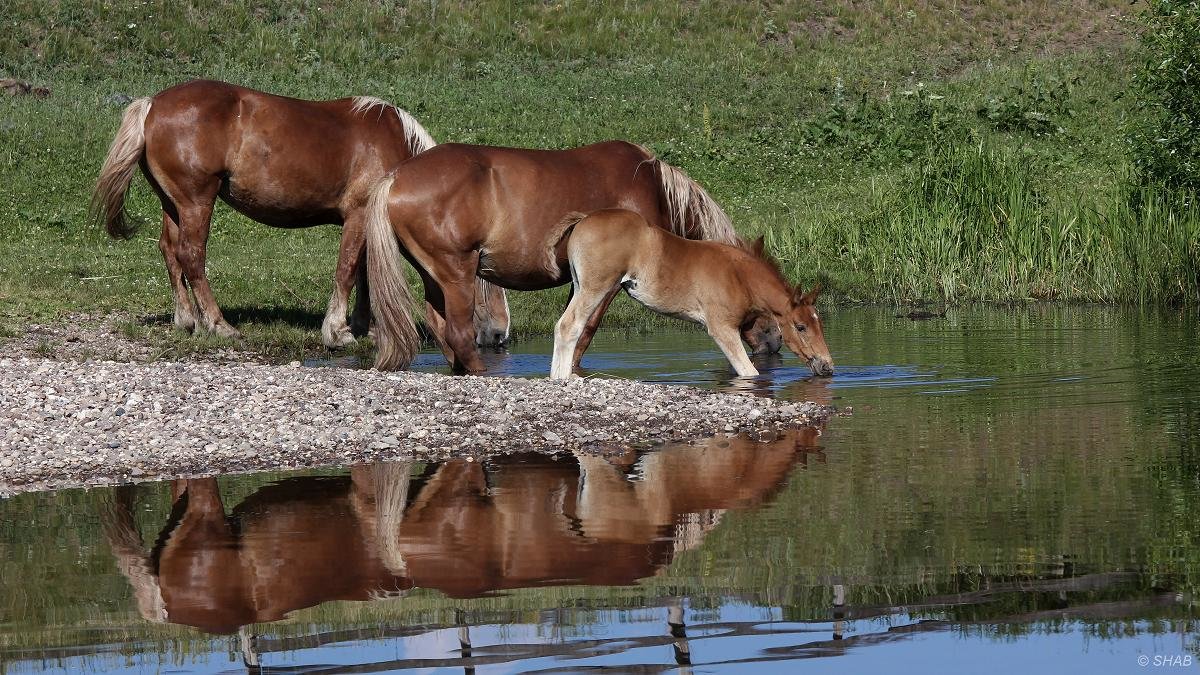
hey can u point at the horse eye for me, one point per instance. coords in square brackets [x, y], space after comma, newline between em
[801, 327]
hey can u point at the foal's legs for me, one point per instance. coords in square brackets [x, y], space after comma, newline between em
[730, 342]
[334, 330]
[168, 244]
[593, 323]
[587, 304]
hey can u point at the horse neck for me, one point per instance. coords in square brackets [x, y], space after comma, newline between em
[767, 290]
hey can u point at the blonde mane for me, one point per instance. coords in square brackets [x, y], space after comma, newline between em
[417, 137]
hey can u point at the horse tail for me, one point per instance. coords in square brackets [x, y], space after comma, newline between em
[391, 480]
[108, 199]
[120, 529]
[557, 233]
[396, 337]
[690, 210]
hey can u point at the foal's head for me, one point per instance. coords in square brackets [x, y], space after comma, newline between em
[802, 331]
[799, 325]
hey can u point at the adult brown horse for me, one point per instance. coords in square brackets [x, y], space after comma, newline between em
[280, 161]
[461, 211]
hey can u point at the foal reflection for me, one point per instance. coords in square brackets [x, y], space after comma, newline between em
[463, 528]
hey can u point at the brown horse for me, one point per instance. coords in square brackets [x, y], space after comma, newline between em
[464, 528]
[722, 287]
[461, 211]
[280, 161]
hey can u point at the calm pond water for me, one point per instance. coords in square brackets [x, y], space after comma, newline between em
[1016, 490]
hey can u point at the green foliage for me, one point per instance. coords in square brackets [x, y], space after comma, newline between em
[1037, 106]
[1166, 136]
[974, 223]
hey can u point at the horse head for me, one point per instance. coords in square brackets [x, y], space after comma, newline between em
[803, 333]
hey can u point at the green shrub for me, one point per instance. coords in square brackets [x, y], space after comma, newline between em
[1166, 141]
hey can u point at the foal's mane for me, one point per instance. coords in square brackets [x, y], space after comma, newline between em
[417, 137]
[758, 250]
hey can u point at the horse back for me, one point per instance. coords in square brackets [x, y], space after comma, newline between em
[280, 160]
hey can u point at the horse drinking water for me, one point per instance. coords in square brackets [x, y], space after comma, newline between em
[280, 161]
[722, 287]
[460, 211]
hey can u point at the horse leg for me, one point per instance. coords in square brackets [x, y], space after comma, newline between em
[335, 332]
[168, 244]
[730, 342]
[194, 223]
[589, 329]
[435, 313]
[360, 320]
[455, 276]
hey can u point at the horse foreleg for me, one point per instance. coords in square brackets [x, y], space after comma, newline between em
[168, 244]
[334, 330]
[593, 323]
[194, 223]
[730, 342]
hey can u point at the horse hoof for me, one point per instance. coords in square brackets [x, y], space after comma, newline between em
[226, 331]
[343, 339]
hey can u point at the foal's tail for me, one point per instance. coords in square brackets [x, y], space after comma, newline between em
[108, 199]
[691, 212]
[396, 337]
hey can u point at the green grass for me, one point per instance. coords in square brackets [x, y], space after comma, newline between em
[850, 134]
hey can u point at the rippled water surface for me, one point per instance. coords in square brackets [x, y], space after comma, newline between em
[1015, 490]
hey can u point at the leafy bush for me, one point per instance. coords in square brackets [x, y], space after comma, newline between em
[1036, 106]
[1166, 143]
[899, 129]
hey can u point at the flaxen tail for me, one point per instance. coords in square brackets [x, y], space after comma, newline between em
[108, 199]
[396, 337]
[691, 211]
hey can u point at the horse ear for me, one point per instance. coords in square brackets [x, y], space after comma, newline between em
[798, 295]
[758, 245]
[810, 298]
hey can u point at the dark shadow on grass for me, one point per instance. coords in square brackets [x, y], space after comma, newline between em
[297, 318]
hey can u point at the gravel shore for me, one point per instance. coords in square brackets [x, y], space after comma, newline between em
[73, 423]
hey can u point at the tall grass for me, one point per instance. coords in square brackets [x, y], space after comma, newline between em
[976, 223]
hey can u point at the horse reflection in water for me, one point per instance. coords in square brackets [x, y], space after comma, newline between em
[463, 528]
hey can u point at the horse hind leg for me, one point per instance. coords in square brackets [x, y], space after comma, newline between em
[592, 325]
[194, 224]
[335, 332]
[586, 308]
[168, 244]
[360, 319]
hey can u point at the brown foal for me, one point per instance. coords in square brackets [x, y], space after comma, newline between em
[719, 286]
[458, 211]
[280, 161]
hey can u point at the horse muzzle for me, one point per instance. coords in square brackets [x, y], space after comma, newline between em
[492, 338]
[820, 366]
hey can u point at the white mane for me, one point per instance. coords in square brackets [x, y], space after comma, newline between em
[417, 137]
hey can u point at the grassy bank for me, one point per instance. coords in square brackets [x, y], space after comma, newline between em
[925, 151]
